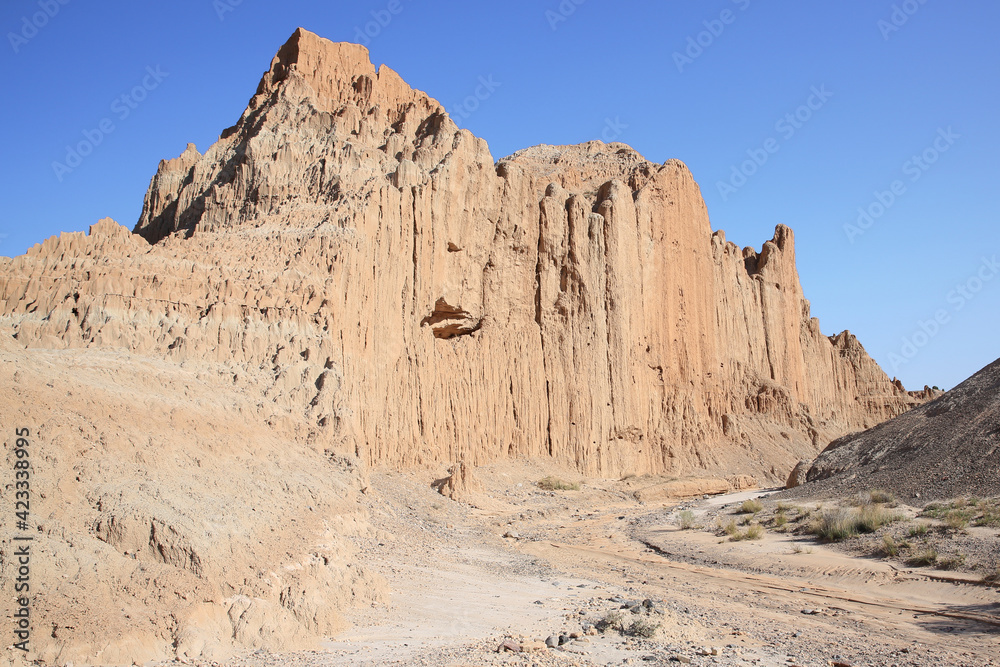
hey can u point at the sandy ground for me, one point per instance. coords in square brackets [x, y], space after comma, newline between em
[460, 588]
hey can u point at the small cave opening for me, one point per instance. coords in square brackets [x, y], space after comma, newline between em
[447, 321]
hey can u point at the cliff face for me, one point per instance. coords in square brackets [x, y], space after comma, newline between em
[392, 292]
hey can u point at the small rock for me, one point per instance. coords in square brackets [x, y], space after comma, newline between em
[533, 646]
[591, 631]
[647, 603]
[564, 639]
[684, 660]
[512, 534]
[509, 646]
[552, 641]
[810, 612]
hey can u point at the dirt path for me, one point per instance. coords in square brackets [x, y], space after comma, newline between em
[460, 589]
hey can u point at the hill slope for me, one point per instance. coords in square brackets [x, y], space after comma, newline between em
[947, 448]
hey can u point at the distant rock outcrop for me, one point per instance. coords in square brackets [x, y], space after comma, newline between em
[947, 448]
[346, 278]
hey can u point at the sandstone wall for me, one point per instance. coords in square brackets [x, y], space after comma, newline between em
[389, 290]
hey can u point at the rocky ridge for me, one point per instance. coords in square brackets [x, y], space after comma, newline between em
[948, 448]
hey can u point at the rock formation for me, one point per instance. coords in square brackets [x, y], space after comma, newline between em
[345, 275]
[418, 302]
[947, 448]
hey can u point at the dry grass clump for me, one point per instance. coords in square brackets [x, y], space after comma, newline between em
[642, 627]
[751, 506]
[754, 531]
[890, 548]
[957, 514]
[873, 497]
[923, 558]
[685, 519]
[616, 620]
[843, 523]
[613, 620]
[551, 483]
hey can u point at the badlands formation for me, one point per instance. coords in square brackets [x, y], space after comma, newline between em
[344, 281]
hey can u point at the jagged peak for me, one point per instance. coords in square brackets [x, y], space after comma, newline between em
[339, 73]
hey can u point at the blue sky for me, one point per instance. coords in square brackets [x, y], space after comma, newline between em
[724, 85]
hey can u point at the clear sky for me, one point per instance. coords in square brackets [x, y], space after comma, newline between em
[802, 113]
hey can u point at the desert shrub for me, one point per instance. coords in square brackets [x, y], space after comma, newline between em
[685, 519]
[780, 520]
[873, 517]
[551, 483]
[642, 627]
[923, 558]
[957, 520]
[951, 563]
[753, 532]
[613, 620]
[730, 528]
[751, 506]
[841, 523]
[834, 525]
[958, 513]
[918, 530]
[882, 496]
[989, 514]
